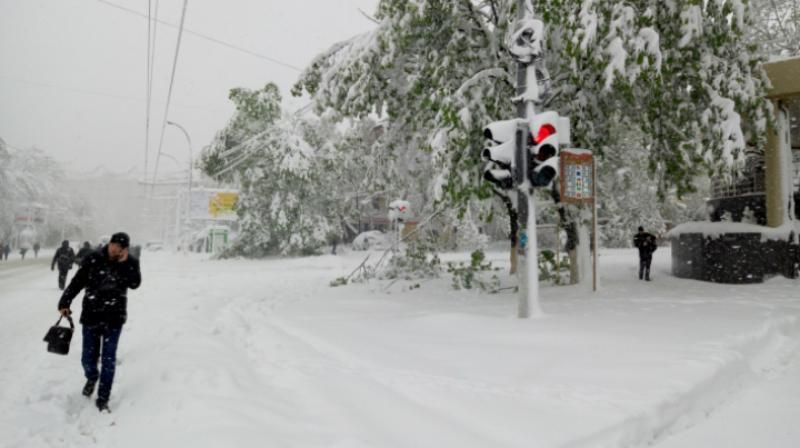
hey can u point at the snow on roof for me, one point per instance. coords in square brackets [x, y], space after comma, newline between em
[715, 229]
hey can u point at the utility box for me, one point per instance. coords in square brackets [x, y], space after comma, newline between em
[217, 239]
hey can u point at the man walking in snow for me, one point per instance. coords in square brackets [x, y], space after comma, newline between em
[84, 252]
[646, 243]
[106, 275]
[65, 257]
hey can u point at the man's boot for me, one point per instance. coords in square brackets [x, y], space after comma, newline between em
[102, 405]
[88, 388]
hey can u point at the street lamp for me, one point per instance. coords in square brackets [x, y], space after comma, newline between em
[191, 165]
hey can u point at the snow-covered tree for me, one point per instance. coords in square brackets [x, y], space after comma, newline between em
[28, 177]
[629, 198]
[436, 71]
[776, 27]
[6, 199]
[301, 176]
[262, 151]
[677, 71]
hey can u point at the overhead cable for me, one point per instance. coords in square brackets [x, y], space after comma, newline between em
[169, 92]
[209, 38]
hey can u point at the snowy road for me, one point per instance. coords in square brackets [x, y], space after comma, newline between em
[265, 353]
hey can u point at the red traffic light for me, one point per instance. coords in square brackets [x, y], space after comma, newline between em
[545, 130]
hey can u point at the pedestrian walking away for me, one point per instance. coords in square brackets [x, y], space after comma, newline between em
[64, 258]
[36, 248]
[106, 275]
[6, 251]
[85, 250]
[646, 243]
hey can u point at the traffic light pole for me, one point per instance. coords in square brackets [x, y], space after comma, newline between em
[527, 94]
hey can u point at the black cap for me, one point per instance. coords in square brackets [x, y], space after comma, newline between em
[641, 229]
[121, 238]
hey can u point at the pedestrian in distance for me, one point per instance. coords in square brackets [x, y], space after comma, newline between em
[36, 248]
[64, 258]
[106, 275]
[2, 249]
[646, 243]
[6, 251]
[83, 252]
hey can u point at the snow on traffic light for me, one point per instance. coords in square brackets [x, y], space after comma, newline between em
[500, 152]
[548, 130]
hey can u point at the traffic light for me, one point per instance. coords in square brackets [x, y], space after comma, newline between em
[501, 136]
[547, 131]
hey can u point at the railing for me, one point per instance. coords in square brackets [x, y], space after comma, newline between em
[752, 182]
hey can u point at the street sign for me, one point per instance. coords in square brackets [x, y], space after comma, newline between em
[576, 167]
[222, 205]
[213, 204]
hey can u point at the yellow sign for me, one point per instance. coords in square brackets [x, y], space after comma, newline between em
[222, 204]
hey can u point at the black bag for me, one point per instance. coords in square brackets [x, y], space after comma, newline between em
[58, 338]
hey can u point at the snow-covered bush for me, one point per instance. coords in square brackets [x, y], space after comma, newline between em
[372, 239]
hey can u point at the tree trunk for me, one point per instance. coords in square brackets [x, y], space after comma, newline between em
[514, 259]
[513, 235]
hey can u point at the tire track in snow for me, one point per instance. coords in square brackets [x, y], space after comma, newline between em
[751, 359]
[298, 360]
[350, 390]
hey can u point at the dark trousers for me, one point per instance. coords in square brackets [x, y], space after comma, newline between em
[644, 267]
[100, 341]
[62, 278]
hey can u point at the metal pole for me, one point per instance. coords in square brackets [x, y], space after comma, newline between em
[594, 223]
[191, 166]
[527, 88]
[523, 308]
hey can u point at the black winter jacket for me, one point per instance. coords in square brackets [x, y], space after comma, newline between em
[85, 251]
[646, 242]
[106, 283]
[64, 256]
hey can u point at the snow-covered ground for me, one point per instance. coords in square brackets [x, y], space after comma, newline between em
[265, 353]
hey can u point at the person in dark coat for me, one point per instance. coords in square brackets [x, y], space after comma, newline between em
[64, 257]
[6, 251]
[36, 248]
[646, 243]
[85, 250]
[106, 275]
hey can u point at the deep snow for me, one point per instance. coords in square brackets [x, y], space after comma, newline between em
[265, 353]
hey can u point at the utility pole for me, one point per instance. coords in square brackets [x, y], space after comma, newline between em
[524, 42]
[191, 166]
[523, 152]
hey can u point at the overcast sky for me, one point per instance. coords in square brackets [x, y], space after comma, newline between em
[73, 72]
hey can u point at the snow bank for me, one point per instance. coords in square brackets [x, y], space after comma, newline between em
[715, 229]
[253, 353]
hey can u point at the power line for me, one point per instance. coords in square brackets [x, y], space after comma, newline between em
[209, 38]
[169, 92]
[148, 83]
[151, 51]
